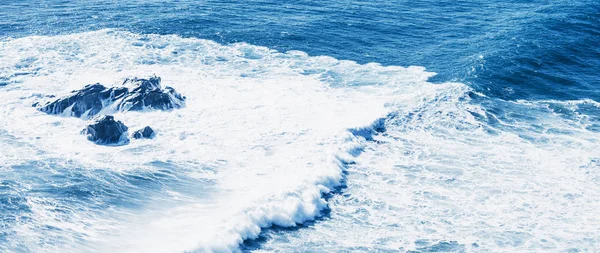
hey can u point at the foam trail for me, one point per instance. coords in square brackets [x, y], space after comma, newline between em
[265, 135]
[448, 174]
[258, 143]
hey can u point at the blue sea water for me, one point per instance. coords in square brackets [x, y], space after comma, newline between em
[496, 152]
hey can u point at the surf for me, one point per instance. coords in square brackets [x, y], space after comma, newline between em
[263, 137]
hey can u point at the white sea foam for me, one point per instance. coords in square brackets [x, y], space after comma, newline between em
[268, 128]
[265, 134]
[442, 180]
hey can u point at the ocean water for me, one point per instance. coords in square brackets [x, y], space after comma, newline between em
[309, 126]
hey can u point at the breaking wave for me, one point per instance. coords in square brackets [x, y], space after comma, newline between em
[264, 137]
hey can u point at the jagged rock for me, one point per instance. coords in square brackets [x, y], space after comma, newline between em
[145, 132]
[85, 102]
[107, 131]
[147, 93]
[135, 95]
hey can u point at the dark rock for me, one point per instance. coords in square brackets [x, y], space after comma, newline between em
[146, 133]
[84, 102]
[147, 94]
[141, 85]
[135, 95]
[107, 131]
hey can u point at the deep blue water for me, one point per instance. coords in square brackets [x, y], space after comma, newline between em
[534, 71]
[507, 49]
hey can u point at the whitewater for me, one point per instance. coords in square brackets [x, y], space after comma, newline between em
[271, 140]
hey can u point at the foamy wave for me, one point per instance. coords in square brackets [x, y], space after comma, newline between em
[263, 137]
[453, 175]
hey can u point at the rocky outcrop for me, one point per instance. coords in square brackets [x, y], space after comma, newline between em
[135, 94]
[146, 133]
[147, 94]
[107, 131]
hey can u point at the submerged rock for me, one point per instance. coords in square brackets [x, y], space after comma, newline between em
[107, 131]
[135, 95]
[146, 132]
